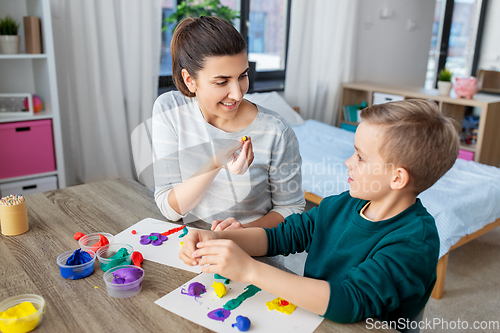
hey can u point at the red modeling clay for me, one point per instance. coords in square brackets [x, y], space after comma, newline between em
[134, 232]
[137, 258]
[174, 230]
[78, 235]
[102, 241]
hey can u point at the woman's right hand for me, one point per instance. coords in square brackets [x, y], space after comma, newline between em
[229, 159]
[228, 224]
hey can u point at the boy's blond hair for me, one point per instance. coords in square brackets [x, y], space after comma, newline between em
[417, 137]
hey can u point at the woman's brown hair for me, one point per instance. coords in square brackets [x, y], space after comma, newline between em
[196, 39]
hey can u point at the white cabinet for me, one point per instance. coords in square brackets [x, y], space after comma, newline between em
[34, 74]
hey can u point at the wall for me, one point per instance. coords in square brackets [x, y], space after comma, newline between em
[393, 46]
[490, 48]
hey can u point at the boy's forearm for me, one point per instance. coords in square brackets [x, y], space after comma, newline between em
[310, 294]
[252, 240]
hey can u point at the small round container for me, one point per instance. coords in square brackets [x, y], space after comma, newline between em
[77, 271]
[106, 252]
[89, 241]
[125, 290]
[24, 324]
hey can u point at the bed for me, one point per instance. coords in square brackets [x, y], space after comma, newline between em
[464, 202]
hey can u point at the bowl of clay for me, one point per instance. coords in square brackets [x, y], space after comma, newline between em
[75, 272]
[90, 241]
[124, 281]
[107, 255]
[32, 305]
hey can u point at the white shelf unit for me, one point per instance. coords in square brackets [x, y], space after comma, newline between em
[486, 149]
[35, 74]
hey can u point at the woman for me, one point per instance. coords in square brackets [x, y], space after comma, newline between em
[205, 136]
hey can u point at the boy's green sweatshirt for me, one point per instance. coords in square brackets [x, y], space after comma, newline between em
[384, 269]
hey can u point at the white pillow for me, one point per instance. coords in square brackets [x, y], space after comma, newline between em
[274, 102]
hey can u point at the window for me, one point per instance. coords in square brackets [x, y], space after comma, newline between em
[263, 23]
[456, 38]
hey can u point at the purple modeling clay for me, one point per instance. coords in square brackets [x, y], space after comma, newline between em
[195, 289]
[154, 238]
[219, 314]
[126, 275]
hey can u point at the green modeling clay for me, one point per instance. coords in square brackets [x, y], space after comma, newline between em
[217, 276]
[120, 258]
[250, 290]
[184, 232]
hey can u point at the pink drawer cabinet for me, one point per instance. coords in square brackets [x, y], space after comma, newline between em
[466, 155]
[26, 148]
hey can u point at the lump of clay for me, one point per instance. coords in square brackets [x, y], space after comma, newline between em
[78, 257]
[195, 289]
[220, 289]
[242, 323]
[126, 275]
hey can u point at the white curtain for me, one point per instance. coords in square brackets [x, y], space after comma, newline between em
[107, 62]
[320, 56]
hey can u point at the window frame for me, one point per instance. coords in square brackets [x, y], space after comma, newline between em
[444, 37]
[264, 80]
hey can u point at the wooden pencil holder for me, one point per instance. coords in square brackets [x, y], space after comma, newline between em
[14, 219]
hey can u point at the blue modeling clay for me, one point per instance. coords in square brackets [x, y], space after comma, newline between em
[242, 323]
[78, 257]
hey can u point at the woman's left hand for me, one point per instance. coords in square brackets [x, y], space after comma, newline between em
[228, 224]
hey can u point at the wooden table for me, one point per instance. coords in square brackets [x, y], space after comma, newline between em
[28, 263]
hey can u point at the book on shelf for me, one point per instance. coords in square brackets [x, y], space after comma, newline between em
[351, 112]
[32, 35]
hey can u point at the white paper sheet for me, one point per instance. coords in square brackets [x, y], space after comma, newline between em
[254, 308]
[167, 253]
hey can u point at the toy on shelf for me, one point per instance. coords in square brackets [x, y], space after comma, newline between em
[15, 104]
[466, 87]
[37, 104]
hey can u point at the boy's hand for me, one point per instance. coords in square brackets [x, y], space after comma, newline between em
[193, 237]
[225, 257]
[228, 224]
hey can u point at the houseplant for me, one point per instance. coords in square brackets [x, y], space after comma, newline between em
[194, 8]
[444, 81]
[9, 40]
[197, 8]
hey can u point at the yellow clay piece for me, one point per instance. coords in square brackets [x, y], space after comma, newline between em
[220, 288]
[14, 322]
[280, 305]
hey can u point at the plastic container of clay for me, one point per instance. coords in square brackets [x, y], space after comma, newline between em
[105, 253]
[88, 242]
[75, 272]
[26, 323]
[125, 290]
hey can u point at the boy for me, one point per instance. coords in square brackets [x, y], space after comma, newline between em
[372, 251]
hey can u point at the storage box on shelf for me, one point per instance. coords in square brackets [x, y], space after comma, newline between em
[31, 147]
[28, 148]
[486, 150]
[29, 186]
